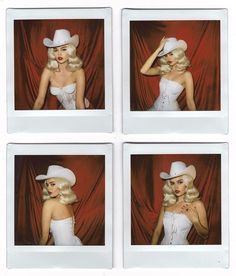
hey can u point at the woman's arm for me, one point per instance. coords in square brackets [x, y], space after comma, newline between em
[80, 88]
[43, 86]
[200, 221]
[146, 68]
[157, 231]
[50, 241]
[196, 212]
[189, 91]
[45, 223]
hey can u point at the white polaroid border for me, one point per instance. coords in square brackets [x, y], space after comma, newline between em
[59, 120]
[59, 256]
[181, 255]
[174, 121]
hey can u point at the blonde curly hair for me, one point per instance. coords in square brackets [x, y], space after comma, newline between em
[74, 62]
[170, 198]
[67, 196]
[182, 61]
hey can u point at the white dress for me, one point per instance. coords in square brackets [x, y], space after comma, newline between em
[63, 232]
[169, 92]
[65, 95]
[176, 228]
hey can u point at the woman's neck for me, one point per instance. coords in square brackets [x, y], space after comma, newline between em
[62, 66]
[174, 68]
[180, 199]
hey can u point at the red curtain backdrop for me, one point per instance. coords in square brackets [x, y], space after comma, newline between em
[30, 56]
[203, 39]
[89, 211]
[146, 194]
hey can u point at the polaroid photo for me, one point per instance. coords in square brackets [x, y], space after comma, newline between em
[175, 60]
[176, 205]
[59, 70]
[59, 205]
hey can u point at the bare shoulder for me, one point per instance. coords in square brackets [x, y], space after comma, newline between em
[188, 75]
[47, 72]
[50, 203]
[79, 72]
[198, 204]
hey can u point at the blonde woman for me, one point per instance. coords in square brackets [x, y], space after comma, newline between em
[175, 78]
[181, 208]
[57, 213]
[63, 74]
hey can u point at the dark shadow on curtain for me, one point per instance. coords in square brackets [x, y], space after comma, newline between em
[146, 194]
[89, 211]
[203, 39]
[30, 58]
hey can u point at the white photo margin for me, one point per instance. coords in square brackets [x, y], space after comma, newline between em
[175, 121]
[59, 120]
[59, 256]
[181, 255]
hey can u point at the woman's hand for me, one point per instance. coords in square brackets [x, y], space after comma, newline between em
[147, 68]
[162, 43]
[191, 212]
[197, 214]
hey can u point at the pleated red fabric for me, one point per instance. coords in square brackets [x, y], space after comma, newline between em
[89, 211]
[203, 39]
[30, 57]
[146, 194]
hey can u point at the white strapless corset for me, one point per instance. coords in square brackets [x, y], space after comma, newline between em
[169, 92]
[65, 95]
[176, 228]
[63, 232]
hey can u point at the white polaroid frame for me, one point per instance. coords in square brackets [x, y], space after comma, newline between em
[59, 256]
[174, 121]
[181, 255]
[59, 120]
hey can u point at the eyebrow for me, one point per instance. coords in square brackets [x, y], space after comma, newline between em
[180, 179]
[50, 181]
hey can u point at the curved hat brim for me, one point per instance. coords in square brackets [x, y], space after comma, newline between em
[190, 170]
[50, 44]
[69, 177]
[180, 44]
[42, 177]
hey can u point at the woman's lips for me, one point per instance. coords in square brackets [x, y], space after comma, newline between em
[177, 191]
[60, 58]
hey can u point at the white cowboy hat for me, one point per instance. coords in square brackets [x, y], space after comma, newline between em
[171, 44]
[58, 171]
[61, 37]
[179, 168]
